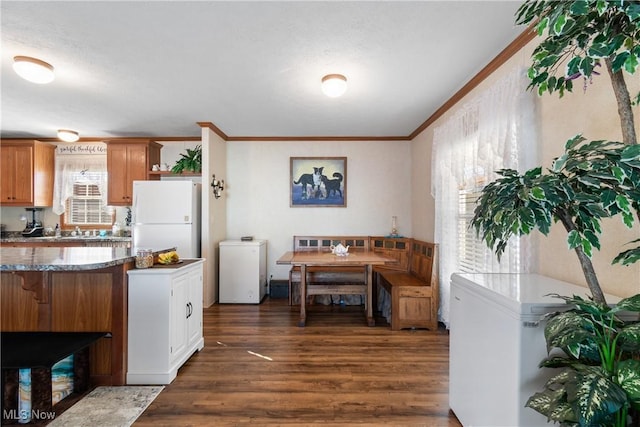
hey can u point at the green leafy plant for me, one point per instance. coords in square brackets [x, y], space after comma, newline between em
[598, 384]
[191, 161]
[599, 380]
[589, 182]
[581, 36]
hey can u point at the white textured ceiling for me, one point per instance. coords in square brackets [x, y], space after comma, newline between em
[155, 68]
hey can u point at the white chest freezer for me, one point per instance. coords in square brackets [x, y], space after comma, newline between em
[243, 271]
[496, 343]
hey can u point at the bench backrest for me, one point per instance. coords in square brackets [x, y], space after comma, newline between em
[424, 261]
[323, 243]
[398, 248]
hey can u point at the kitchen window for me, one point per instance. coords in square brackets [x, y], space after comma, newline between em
[85, 206]
[80, 188]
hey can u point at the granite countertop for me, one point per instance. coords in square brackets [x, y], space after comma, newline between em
[15, 239]
[65, 259]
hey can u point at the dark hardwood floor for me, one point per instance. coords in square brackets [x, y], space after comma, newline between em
[259, 368]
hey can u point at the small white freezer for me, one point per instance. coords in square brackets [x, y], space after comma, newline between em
[496, 343]
[243, 271]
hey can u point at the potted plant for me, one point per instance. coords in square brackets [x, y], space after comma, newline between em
[191, 161]
[600, 380]
[599, 383]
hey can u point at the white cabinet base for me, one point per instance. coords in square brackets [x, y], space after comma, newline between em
[165, 320]
[163, 377]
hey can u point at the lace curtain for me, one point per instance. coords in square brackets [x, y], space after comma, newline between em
[74, 168]
[494, 130]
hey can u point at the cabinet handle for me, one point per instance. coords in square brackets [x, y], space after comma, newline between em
[187, 307]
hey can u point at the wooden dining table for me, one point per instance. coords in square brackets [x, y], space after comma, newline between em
[364, 259]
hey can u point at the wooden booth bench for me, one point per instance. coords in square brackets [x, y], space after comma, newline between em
[411, 283]
[329, 280]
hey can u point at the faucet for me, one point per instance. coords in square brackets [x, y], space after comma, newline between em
[78, 231]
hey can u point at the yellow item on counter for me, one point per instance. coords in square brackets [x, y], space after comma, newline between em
[168, 257]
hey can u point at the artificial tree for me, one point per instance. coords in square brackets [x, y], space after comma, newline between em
[592, 180]
[581, 37]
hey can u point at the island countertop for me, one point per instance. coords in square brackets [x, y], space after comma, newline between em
[64, 239]
[63, 258]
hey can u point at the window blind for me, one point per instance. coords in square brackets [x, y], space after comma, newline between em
[85, 207]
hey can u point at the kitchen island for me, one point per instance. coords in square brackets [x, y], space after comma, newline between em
[70, 289]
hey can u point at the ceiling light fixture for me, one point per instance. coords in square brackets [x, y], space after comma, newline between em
[33, 69]
[334, 85]
[68, 135]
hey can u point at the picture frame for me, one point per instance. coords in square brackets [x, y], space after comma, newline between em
[318, 182]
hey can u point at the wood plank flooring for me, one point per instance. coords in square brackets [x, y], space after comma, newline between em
[259, 368]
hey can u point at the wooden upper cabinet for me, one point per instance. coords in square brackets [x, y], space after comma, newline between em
[129, 161]
[27, 173]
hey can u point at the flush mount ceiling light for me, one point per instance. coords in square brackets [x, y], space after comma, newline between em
[334, 85]
[33, 69]
[68, 135]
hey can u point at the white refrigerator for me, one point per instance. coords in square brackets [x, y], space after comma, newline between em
[243, 271]
[166, 214]
[496, 341]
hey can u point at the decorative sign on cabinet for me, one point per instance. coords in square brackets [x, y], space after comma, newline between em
[27, 170]
[128, 161]
[165, 320]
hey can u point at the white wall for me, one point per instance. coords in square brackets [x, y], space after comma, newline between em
[257, 193]
[214, 211]
[423, 205]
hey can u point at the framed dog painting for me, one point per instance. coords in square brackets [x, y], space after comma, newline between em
[318, 182]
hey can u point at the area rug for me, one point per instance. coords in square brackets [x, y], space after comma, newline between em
[109, 407]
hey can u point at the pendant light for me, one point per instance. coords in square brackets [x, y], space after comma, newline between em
[33, 69]
[334, 85]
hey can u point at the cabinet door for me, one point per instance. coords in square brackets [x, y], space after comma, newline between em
[17, 175]
[24, 175]
[136, 165]
[126, 163]
[117, 170]
[8, 165]
[194, 321]
[179, 312]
